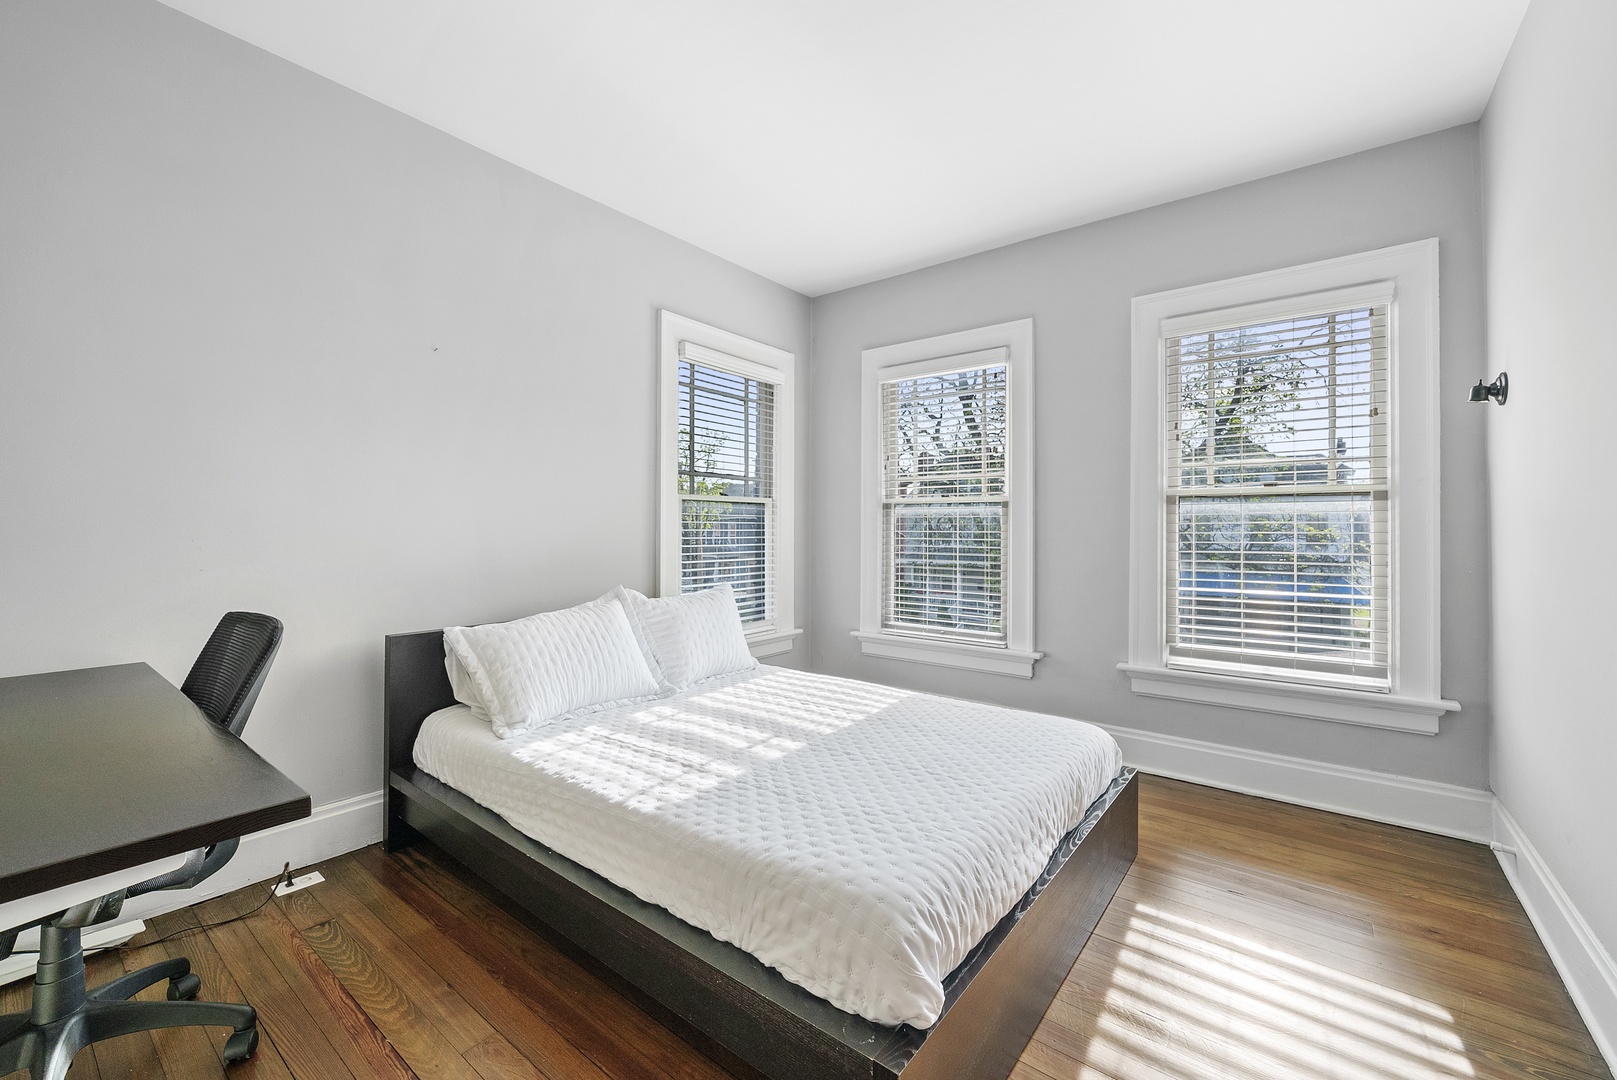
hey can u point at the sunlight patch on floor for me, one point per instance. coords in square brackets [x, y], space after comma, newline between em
[1195, 1001]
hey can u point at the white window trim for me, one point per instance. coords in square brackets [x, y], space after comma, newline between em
[936, 354]
[753, 360]
[1414, 702]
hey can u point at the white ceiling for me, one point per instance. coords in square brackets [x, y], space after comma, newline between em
[824, 143]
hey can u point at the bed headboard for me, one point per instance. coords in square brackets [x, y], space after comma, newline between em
[414, 686]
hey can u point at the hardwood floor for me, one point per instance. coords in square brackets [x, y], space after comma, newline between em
[1250, 940]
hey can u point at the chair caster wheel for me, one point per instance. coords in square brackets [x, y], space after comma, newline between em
[184, 988]
[241, 1044]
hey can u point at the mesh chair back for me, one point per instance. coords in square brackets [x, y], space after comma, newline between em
[225, 680]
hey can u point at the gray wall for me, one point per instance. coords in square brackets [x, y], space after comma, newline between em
[267, 344]
[1550, 155]
[1077, 285]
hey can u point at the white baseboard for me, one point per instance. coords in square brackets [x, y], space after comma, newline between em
[1586, 967]
[1446, 809]
[331, 830]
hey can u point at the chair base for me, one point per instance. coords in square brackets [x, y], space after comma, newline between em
[65, 1018]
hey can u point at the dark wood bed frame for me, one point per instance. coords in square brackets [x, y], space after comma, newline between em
[993, 1000]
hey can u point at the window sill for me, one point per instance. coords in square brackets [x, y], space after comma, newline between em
[948, 654]
[771, 642]
[1362, 707]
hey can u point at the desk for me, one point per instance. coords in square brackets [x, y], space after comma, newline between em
[103, 770]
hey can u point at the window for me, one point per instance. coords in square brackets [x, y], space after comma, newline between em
[726, 512]
[943, 503]
[947, 528]
[1278, 420]
[1276, 480]
[726, 482]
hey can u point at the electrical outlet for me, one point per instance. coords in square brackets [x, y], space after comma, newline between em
[313, 877]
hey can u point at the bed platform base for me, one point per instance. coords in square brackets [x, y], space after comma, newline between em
[993, 1002]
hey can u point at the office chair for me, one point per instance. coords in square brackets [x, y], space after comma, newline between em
[224, 683]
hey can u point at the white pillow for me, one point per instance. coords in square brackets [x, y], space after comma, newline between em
[463, 686]
[532, 670]
[691, 637]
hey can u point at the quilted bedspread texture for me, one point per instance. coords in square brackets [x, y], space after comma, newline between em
[860, 839]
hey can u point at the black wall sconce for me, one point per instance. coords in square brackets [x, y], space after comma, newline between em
[1499, 389]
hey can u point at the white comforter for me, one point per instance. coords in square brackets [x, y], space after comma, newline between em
[857, 838]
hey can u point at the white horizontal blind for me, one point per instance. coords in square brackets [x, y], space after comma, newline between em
[727, 486]
[945, 503]
[1278, 475]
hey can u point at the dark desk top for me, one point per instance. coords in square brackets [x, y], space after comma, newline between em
[106, 768]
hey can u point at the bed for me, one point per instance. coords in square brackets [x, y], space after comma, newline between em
[984, 1007]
